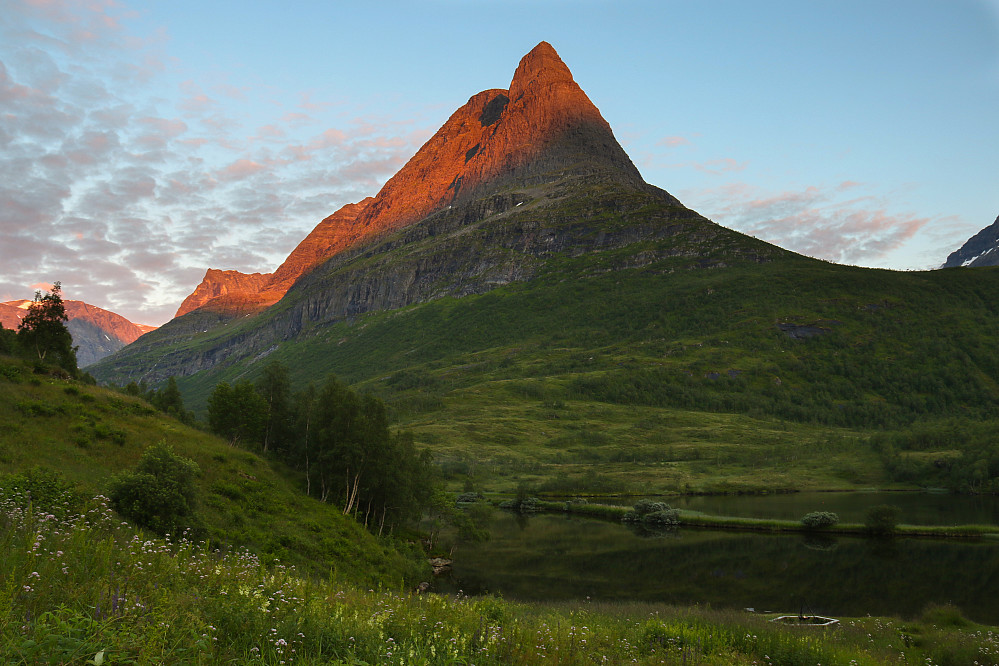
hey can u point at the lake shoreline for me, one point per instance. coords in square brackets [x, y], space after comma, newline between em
[775, 526]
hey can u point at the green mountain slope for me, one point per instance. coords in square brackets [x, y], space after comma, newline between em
[789, 367]
[88, 434]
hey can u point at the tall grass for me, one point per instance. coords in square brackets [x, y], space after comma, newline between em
[83, 587]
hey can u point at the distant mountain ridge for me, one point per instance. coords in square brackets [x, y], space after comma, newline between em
[982, 249]
[96, 332]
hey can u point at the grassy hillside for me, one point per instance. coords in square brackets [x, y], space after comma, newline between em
[790, 374]
[89, 434]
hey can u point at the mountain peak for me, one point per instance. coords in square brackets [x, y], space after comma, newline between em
[542, 130]
[542, 66]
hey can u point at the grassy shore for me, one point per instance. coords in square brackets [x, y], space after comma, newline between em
[83, 587]
[698, 519]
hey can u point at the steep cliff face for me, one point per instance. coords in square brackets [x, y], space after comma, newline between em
[96, 332]
[982, 249]
[515, 182]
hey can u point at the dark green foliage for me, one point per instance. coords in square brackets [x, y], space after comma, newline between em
[238, 413]
[974, 470]
[160, 494]
[8, 341]
[668, 517]
[168, 399]
[274, 386]
[43, 331]
[523, 502]
[339, 439]
[819, 519]
[521, 505]
[646, 506]
[881, 520]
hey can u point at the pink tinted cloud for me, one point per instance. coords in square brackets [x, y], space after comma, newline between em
[720, 166]
[305, 102]
[293, 118]
[240, 169]
[673, 141]
[195, 100]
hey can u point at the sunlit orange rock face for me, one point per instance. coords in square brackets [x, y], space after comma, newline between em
[542, 125]
[541, 128]
[317, 246]
[217, 284]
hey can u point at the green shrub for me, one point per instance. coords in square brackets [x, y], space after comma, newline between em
[645, 508]
[160, 493]
[650, 512]
[881, 520]
[944, 615]
[817, 520]
[668, 517]
[521, 505]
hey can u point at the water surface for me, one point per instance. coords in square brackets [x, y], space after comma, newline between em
[556, 557]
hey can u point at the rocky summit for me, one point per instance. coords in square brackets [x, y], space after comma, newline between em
[982, 249]
[514, 180]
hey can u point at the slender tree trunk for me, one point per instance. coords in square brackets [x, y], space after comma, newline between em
[352, 495]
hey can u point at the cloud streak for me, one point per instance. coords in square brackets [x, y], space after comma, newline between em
[818, 221]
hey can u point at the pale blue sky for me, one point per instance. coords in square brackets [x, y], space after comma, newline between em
[143, 142]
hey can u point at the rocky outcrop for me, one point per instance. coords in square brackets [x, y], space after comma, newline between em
[233, 293]
[96, 332]
[982, 249]
[217, 284]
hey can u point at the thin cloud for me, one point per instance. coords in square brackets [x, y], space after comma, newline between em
[814, 221]
[673, 141]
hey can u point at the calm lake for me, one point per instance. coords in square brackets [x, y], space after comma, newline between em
[556, 557]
